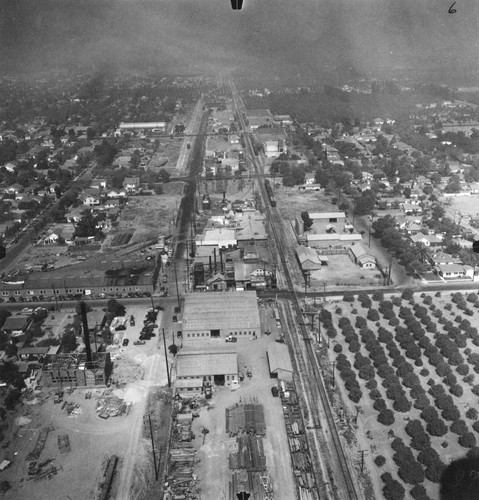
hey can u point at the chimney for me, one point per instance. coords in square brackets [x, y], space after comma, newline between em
[214, 255]
[210, 265]
[221, 261]
[86, 332]
[224, 195]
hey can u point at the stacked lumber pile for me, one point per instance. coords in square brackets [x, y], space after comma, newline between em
[298, 445]
[181, 479]
[257, 484]
[247, 418]
[250, 454]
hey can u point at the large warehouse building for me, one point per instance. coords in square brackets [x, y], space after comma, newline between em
[217, 315]
[197, 369]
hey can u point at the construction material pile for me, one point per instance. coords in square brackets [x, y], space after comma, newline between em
[248, 463]
[250, 454]
[298, 445]
[110, 406]
[248, 418]
[37, 450]
[181, 480]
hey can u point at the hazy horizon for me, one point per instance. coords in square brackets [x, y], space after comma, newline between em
[308, 36]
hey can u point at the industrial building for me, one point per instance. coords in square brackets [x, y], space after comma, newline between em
[198, 369]
[279, 361]
[218, 316]
[73, 370]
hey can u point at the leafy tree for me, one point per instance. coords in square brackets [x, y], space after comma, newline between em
[68, 341]
[9, 374]
[173, 349]
[115, 308]
[307, 221]
[392, 489]
[386, 417]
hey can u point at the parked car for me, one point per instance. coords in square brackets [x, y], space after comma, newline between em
[274, 391]
[230, 338]
[177, 310]
[139, 342]
[175, 319]
[126, 342]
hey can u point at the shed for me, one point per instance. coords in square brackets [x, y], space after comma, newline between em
[279, 361]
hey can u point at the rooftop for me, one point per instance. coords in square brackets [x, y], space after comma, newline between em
[202, 363]
[221, 310]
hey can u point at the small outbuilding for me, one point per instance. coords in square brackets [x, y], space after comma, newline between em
[279, 361]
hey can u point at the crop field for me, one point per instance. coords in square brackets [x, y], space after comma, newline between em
[403, 374]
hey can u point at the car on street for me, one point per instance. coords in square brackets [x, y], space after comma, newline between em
[139, 342]
[274, 391]
[177, 310]
[175, 319]
[125, 342]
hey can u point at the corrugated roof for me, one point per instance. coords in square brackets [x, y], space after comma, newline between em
[279, 359]
[202, 363]
[221, 310]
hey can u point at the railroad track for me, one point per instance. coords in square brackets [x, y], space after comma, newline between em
[344, 481]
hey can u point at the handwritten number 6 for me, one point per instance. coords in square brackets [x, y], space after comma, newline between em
[452, 10]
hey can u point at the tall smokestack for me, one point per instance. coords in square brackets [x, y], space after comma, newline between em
[214, 255]
[221, 261]
[211, 269]
[86, 332]
[224, 195]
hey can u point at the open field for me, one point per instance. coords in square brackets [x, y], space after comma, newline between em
[462, 209]
[404, 383]
[340, 270]
[291, 202]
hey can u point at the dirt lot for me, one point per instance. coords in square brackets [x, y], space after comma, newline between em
[213, 467]
[461, 209]
[148, 217]
[136, 370]
[291, 202]
[341, 268]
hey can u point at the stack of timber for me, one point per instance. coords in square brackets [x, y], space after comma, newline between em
[181, 479]
[42, 437]
[257, 484]
[250, 454]
[64, 443]
[298, 443]
[248, 418]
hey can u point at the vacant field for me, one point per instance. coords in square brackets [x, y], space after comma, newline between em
[406, 383]
[291, 202]
[461, 209]
[341, 270]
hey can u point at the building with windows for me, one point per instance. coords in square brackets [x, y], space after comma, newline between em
[197, 369]
[209, 317]
[73, 370]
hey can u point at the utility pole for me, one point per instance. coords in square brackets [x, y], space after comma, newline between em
[166, 360]
[153, 447]
[177, 291]
[362, 458]
[334, 365]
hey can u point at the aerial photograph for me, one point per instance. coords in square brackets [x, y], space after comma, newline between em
[239, 250]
